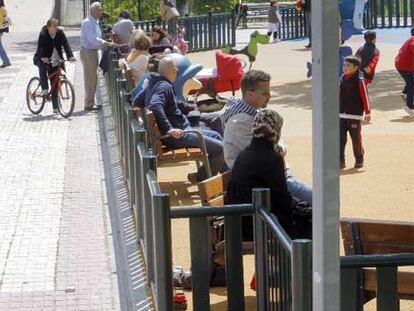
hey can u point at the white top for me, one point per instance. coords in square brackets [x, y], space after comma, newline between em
[139, 66]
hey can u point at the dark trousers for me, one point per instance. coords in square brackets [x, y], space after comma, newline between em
[308, 25]
[274, 34]
[44, 70]
[408, 77]
[354, 129]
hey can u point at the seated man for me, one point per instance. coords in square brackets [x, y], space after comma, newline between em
[159, 97]
[238, 119]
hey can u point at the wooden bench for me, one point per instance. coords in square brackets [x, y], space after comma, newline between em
[212, 192]
[170, 155]
[368, 237]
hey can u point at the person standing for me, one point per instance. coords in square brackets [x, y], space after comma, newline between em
[51, 43]
[170, 15]
[404, 62]
[274, 20]
[4, 28]
[91, 41]
[307, 8]
[243, 14]
[122, 31]
[354, 108]
[369, 56]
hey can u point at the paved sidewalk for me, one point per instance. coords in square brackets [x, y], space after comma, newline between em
[56, 248]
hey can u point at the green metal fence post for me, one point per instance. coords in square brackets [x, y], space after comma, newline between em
[163, 265]
[302, 275]
[261, 200]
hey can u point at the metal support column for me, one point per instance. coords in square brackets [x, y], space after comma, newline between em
[325, 115]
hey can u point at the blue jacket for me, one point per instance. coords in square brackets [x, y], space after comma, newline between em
[159, 97]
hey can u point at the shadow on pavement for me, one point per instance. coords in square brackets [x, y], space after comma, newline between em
[384, 93]
[406, 119]
[181, 193]
[41, 118]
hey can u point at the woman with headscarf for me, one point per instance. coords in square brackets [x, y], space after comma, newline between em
[261, 165]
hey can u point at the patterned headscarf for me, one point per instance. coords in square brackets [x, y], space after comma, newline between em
[268, 124]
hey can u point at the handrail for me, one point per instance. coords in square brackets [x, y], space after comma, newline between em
[153, 183]
[189, 212]
[274, 226]
[377, 260]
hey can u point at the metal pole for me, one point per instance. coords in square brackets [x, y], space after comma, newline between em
[302, 275]
[325, 115]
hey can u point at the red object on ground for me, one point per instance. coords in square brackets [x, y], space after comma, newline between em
[253, 283]
[179, 297]
[226, 77]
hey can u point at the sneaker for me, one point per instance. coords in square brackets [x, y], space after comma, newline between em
[192, 178]
[55, 110]
[359, 164]
[308, 46]
[342, 165]
[409, 111]
[5, 65]
[44, 92]
[404, 95]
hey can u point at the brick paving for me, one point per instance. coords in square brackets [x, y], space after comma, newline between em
[56, 248]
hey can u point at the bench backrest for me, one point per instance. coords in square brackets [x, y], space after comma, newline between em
[367, 237]
[153, 131]
[213, 190]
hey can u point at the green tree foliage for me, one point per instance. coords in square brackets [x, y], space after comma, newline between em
[149, 8]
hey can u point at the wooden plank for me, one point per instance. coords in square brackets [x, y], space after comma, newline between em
[214, 186]
[405, 282]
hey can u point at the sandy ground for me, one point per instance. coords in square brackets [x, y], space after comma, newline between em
[384, 189]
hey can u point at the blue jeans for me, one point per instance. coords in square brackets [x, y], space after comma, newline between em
[3, 55]
[299, 190]
[214, 145]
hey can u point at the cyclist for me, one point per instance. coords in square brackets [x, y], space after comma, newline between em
[51, 43]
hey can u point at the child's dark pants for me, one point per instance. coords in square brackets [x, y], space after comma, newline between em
[408, 77]
[354, 129]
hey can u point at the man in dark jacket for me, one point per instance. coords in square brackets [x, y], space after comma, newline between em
[159, 97]
[51, 43]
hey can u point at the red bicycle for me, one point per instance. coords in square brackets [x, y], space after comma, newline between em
[66, 95]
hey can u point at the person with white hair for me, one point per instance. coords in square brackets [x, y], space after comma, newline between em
[159, 97]
[91, 41]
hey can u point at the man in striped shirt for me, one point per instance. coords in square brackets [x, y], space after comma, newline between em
[238, 119]
[354, 109]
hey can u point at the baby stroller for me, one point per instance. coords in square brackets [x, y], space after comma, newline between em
[226, 77]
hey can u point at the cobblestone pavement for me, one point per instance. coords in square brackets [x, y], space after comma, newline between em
[56, 248]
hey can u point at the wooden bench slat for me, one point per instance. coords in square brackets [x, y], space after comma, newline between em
[213, 187]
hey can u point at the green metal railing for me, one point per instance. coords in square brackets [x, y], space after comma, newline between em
[283, 266]
[389, 13]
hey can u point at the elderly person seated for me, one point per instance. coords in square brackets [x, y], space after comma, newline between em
[262, 165]
[159, 97]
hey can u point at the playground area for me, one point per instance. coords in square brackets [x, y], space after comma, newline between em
[383, 189]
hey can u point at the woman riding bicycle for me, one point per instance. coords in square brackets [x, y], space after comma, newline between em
[51, 43]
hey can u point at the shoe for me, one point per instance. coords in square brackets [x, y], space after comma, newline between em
[404, 96]
[44, 92]
[308, 46]
[55, 110]
[409, 111]
[5, 65]
[342, 165]
[359, 164]
[192, 178]
[94, 108]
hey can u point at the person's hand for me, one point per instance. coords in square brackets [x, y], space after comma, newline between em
[72, 59]
[367, 70]
[45, 60]
[367, 119]
[176, 133]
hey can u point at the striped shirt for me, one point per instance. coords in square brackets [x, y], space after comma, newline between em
[235, 106]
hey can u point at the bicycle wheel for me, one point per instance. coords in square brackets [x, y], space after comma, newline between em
[66, 98]
[34, 99]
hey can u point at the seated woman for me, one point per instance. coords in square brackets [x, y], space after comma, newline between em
[160, 37]
[261, 165]
[137, 60]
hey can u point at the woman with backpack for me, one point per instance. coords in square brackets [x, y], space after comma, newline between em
[4, 28]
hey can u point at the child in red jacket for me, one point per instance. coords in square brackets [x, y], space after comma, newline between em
[354, 108]
[369, 56]
[404, 62]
